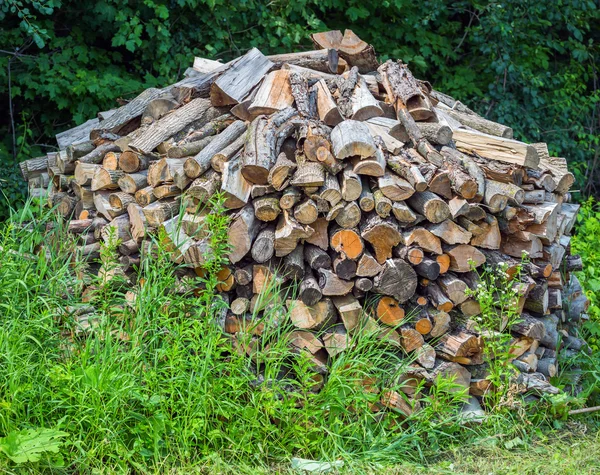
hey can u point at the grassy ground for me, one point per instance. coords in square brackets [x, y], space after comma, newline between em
[152, 385]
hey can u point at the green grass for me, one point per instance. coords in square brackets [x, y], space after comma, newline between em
[156, 387]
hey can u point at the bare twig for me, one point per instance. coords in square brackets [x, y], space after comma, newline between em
[584, 410]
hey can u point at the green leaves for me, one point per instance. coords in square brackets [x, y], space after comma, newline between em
[29, 445]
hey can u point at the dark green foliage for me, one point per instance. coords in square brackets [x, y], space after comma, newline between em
[528, 64]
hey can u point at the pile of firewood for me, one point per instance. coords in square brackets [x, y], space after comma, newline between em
[348, 179]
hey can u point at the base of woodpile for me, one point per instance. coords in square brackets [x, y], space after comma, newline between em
[370, 193]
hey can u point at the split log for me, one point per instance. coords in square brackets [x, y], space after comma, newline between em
[235, 83]
[454, 288]
[309, 174]
[351, 138]
[382, 234]
[327, 108]
[450, 232]
[463, 257]
[347, 242]
[482, 125]
[287, 234]
[496, 148]
[395, 188]
[424, 239]
[281, 172]
[234, 185]
[351, 186]
[274, 93]
[160, 211]
[389, 311]
[243, 230]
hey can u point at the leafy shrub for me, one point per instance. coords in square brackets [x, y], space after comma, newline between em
[585, 243]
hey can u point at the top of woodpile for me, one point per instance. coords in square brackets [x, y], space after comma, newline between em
[347, 177]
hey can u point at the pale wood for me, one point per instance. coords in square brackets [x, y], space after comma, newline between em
[350, 47]
[160, 211]
[274, 93]
[349, 216]
[422, 238]
[352, 138]
[312, 318]
[326, 106]
[463, 257]
[496, 148]
[234, 185]
[287, 234]
[351, 185]
[482, 125]
[430, 205]
[394, 187]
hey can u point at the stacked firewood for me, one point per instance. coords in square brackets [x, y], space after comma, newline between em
[369, 191]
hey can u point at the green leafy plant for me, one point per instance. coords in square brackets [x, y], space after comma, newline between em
[30, 445]
[497, 294]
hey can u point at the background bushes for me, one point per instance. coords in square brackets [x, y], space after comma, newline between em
[533, 65]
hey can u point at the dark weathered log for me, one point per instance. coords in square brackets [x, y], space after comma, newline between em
[120, 120]
[293, 263]
[170, 124]
[263, 247]
[234, 84]
[344, 268]
[332, 285]
[309, 291]
[398, 280]
[428, 268]
[196, 166]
